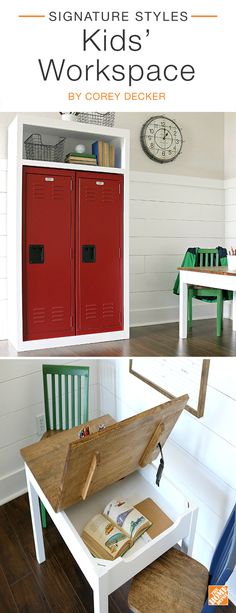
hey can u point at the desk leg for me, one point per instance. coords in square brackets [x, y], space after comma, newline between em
[183, 309]
[234, 310]
[188, 542]
[100, 600]
[36, 522]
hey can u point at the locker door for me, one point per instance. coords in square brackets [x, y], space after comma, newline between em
[99, 255]
[48, 242]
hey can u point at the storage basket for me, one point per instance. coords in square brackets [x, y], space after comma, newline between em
[101, 119]
[35, 149]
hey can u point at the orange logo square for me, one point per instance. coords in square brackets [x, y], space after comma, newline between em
[218, 595]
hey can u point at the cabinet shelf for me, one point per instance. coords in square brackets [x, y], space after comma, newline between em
[80, 167]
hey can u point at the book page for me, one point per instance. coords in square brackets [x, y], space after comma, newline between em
[126, 517]
[106, 535]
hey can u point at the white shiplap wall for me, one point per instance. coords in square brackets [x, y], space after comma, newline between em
[168, 214]
[230, 212]
[230, 218]
[21, 400]
[200, 454]
[3, 250]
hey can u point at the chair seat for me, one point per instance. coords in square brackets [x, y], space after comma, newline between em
[213, 290]
[174, 583]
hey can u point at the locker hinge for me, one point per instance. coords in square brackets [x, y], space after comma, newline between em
[71, 320]
[119, 253]
[71, 185]
[119, 188]
[71, 253]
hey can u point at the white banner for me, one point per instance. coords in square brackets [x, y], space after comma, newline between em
[152, 56]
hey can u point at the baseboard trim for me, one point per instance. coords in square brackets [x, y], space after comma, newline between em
[13, 496]
[164, 315]
[12, 486]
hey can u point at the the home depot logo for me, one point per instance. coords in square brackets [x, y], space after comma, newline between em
[218, 595]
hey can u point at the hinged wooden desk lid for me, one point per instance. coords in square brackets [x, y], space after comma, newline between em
[69, 469]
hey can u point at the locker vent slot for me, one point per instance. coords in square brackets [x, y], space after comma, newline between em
[91, 311]
[58, 192]
[108, 310]
[39, 315]
[108, 196]
[57, 313]
[90, 195]
[38, 192]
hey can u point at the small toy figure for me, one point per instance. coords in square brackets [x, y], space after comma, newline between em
[101, 427]
[84, 432]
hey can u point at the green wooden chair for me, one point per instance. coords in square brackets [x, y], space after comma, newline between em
[66, 394]
[207, 257]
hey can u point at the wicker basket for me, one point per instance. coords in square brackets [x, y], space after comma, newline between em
[35, 149]
[101, 119]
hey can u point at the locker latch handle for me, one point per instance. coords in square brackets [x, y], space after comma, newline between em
[88, 254]
[99, 182]
[36, 254]
[49, 179]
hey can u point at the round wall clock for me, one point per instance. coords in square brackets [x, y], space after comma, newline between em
[161, 139]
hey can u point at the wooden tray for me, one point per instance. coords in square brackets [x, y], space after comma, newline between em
[69, 469]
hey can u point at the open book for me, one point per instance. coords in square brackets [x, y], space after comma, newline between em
[110, 534]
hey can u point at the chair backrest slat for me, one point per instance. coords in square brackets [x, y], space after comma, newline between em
[208, 257]
[72, 402]
[54, 418]
[46, 402]
[66, 393]
[66, 403]
[79, 399]
[60, 402]
[86, 398]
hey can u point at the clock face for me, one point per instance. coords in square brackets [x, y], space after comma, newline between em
[161, 139]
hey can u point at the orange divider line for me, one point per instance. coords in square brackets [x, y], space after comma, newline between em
[27, 16]
[205, 16]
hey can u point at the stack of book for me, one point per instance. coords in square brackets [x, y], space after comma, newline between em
[81, 158]
[105, 153]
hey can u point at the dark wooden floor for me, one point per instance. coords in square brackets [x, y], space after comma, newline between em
[159, 340]
[57, 584]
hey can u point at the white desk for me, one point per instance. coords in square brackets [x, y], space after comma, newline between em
[105, 576]
[217, 277]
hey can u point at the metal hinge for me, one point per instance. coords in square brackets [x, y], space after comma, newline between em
[119, 253]
[71, 320]
[71, 253]
[119, 188]
[71, 185]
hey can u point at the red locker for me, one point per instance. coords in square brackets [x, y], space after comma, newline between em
[99, 252]
[48, 247]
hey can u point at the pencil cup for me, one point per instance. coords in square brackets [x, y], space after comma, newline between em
[231, 262]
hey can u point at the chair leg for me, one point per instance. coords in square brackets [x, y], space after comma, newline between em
[43, 515]
[190, 310]
[219, 313]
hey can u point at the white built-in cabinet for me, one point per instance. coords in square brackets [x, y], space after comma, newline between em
[52, 130]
